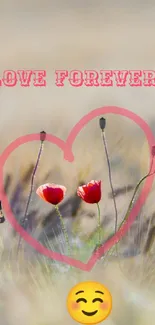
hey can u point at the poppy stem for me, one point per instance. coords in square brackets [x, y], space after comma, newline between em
[135, 192]
[99, 224]
[25, 219]
[110, 178]
[63, 228]
[150, 173]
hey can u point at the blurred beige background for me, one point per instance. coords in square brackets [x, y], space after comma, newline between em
[72, 35]
[76, 35]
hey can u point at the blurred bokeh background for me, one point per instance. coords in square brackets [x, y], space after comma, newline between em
[81, 35]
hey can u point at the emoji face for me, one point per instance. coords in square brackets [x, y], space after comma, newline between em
[89, 303]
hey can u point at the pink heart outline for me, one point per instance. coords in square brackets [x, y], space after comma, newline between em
[66, 147]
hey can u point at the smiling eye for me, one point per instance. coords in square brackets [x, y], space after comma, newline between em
[97, 299]
[81, 299]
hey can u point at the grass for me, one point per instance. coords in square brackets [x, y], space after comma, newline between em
[22, 301]
[40, 286]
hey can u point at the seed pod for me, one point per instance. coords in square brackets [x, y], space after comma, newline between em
[42, 136]
[102, 123]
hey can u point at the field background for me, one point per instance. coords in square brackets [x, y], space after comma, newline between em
[76, 35]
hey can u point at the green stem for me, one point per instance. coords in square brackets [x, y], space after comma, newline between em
[63, 229]
[133, 198]
[99, 224]
[110, 178]
[132, 201]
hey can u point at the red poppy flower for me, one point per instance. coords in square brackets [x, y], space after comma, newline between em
[51, 193]
[90, 193]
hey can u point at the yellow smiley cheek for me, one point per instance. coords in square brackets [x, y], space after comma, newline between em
[105, 306]
[74, 306]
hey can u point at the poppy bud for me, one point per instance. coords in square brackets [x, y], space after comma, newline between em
[42, 136]
[102, 123]
[153, 150]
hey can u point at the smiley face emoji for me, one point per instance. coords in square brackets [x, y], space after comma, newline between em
[89, 302]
